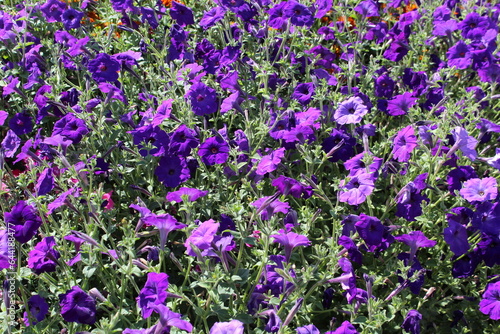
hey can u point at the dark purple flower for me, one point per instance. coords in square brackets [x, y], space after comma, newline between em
[339, 145]
[148, 15]
[153, 293]
[211, 17]
[230, 327]
[277, 17]
[70, 127]
[480, 189]
[122, 5]
[45, 182]
[459, 55]
[309, 329]
[172, 171]
[401, 104]
[370, 229]
[149, 135]
[104, 68]
[490, 304]
[192, 194]
[214, 150]
[203, 99]
[286, 185]
[404, 143]
[43, 258]
[37, 308]
[397, 50]
[10, 144]
[77, 306]
[384, 86]
[299, 14]
[71, 18]
[459, 175]
[182, 140]
[202, 238]
[112, 92]
[270, 162]
[267, 207]
[181, 14]
[444, 28]
[290, 240]
[367, 8]
[350, 111]
[52, 10]
[411, 323]
[474, 26]
[303, 93]
[24, 220]
[21, 123]
[416, 81]
[415, 240]
[357, 188]
[7, 261]
[345, 328]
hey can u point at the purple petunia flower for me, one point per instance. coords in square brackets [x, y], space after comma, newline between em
[308, 329]
[457, 176]
[21, 123]
[367, 8]
[165, 223]
[345, 328]
[270, 162]
[172, 171]
[182, 140]
[214, 150]
[339, 145]
[490, 304]
[463, 142]
[202, 238]
[45, 182]
[203, 99]
[415, 240]
[52, 10]
[10, 144]
[303, 93]
[37, 308]
[25, 221]
[77, 306]
[71, 18]
[267, 207]
[192, 194]
[474, 26]
[181, 14]
[43, 258]
[411, 323]
[404, 143]
[169, 319]
[104, 68]
[286, 185]
[70, 127]
[6, 259]
[211, 17]
[299, 14]
[480, 189]
[153, 293]
[459, 55]
[384, 86]
[357, 188]
[230, 327]
[350, 111]
[401, 104]
[290, 240]
[370, 229]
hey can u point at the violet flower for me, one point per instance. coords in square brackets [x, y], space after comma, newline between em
[350, 111]
[202, 238]
[490, 304]
[415, 240]
[77, 306]
[404, 143]
[230, 327]
[43, 258]
[357, 188]
[37, 308]
[153, 293]
[480, 189]
[214, 150]
[24, 220]
[192, 194]
[411, 323]
[290, 240]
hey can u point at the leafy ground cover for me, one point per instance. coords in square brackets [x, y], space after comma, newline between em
[249, 166]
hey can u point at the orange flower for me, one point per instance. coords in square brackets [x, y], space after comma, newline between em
[352, 22]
